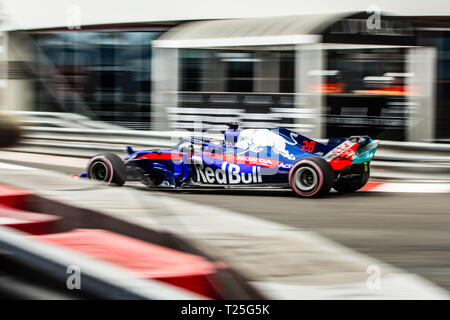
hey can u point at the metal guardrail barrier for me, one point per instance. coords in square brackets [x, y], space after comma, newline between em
[397, 160]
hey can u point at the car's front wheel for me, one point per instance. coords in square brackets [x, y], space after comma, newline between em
[107, 168]
[311, 177]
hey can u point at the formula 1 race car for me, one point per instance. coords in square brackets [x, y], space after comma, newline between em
[247, 157]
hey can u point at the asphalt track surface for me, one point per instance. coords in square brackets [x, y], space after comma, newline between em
[408, 230]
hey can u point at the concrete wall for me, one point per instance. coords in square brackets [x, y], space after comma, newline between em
[165, 72]
[16, 87]
[421, 62]
[267, 72]
[309, 104]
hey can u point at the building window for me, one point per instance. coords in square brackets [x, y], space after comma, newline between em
[103, 75]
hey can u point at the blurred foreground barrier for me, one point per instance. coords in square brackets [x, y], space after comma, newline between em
[100, 279]
[20, 252]
[14, 213]
[147, 260]
[165, 256]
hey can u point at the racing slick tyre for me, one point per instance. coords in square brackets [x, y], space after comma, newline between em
[311, 177]
[353, 184]
[107, 168]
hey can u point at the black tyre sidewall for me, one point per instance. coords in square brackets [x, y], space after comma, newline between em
[117, 173]
[324, 171]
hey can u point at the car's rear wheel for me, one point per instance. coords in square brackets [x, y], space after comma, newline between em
[355, 182]
[311, 177]
[107, 168]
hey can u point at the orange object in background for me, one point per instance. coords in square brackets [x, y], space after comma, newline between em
[147, 260]
[392, 90]
[337, 87]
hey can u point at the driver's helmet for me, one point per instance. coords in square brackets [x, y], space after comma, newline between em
[184, 146]
[231, 137]
[217, 141]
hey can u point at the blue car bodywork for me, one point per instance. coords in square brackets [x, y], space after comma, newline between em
[244, 157]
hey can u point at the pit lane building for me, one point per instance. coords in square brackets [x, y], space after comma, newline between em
[329, 74]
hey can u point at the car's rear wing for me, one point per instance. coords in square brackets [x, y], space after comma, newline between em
[350, 151]
[366, 152]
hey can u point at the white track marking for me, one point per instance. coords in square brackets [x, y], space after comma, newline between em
[413, 187]
[398, 287]
[43, 158]
[14, 167]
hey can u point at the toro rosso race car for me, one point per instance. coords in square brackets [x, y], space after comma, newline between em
[247, 157]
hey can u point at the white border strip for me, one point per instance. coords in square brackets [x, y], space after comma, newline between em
[238, 41]
[413, 187]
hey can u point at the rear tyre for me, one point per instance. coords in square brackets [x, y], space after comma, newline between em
[107, 168]
[311, 177]
[353, 184]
